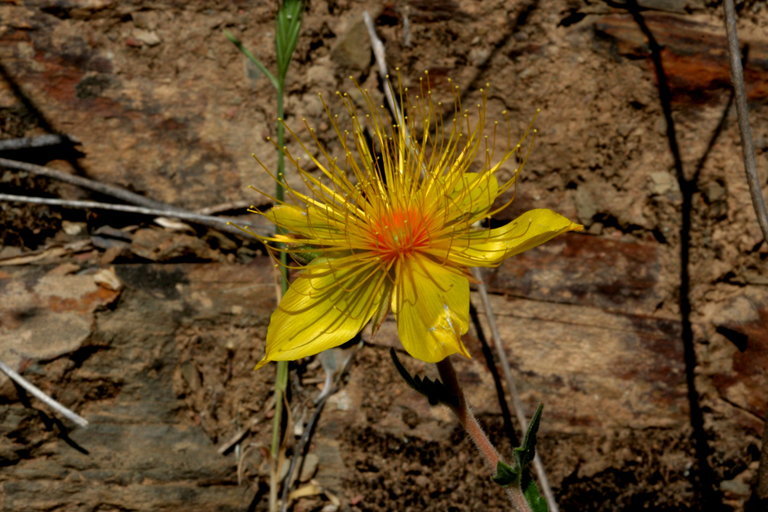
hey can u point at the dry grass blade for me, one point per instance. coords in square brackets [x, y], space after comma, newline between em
[237, 438]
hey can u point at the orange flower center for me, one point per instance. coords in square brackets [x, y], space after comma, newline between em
[398, 233]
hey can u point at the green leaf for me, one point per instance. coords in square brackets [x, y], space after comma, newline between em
[287, 34]
[256, 62]
[534, 498]
[518, 474]
[525, 453]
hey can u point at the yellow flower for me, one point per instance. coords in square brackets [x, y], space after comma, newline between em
[396, 228]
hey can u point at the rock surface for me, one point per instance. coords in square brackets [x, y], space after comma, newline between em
[152, 334]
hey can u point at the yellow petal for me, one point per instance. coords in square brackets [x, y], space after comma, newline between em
[489, 247]
[474, 193]
[431, 304]
[327, 305]
[309, 222]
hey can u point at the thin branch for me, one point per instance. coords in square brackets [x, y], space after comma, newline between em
[381, 61]
[37, 393]
[221, 223]
[102, 188]
[758, 202]
[224, 207]
[517, 404]
[151, 207]
[747, 146]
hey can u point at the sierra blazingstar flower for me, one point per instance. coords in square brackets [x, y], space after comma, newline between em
[395, 226]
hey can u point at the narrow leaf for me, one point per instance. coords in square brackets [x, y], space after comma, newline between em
[534, 498]
[517, 473]
[245, 51]
[287, 34]
[525, 453]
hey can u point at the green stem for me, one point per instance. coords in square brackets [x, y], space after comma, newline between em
[281, 375]
[280, 188]
[280, 185]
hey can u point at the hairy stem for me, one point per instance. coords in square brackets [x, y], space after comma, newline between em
[476, 432]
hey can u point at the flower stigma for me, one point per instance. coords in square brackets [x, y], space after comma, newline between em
[399, 233]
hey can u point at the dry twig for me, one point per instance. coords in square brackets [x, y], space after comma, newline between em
[37, 393]
[216, 222]
[102, 188]
[150, 206]
[758, 202]
[381, 61]
[747, 146]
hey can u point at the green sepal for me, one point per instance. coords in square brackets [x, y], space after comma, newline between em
[506, 474]
[435, 391]
[534, 498]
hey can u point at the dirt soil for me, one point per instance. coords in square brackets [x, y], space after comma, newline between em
[646, 336]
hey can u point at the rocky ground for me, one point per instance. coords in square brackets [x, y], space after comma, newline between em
[645, 336]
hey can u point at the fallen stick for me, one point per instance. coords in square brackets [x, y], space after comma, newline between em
[755, 190]
[150, 206]
[103, 188]
[37, 393]
[742, 114]
[221, 223]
